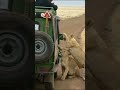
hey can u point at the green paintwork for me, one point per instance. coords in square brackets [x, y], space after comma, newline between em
[42, 21]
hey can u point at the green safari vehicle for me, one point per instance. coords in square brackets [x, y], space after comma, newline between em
[47, 39]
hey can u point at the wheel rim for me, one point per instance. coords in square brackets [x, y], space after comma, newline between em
[11, 49]
[40, 47]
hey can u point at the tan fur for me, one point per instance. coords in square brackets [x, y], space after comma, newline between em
[77, 53]
[69, 65]
[75, 50]
[65, 63]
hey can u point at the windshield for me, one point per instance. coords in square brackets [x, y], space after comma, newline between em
[4, 4]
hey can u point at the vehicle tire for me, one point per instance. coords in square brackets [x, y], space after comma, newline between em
[48, 86]
[16, 48]
[43, 46]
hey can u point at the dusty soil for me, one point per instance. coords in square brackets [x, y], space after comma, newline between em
[70, 12]
[71, 26]
[70, 84]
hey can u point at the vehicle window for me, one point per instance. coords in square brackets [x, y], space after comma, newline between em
[37, 26]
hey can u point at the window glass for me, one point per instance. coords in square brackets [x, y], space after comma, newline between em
[37, 26]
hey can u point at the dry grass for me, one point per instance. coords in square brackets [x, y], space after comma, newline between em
[70, 12]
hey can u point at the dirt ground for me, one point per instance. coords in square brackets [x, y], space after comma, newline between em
[71, 26]
[70, 12]
[70, 84]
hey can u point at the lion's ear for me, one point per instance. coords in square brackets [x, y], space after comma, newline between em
[71, 36]
[64, 36]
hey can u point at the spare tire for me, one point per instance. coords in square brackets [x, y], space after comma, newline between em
[44, 46]
[16, 48]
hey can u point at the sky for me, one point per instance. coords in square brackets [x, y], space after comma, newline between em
[70, 2]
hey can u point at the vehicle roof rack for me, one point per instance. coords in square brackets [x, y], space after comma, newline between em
[43, 7]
